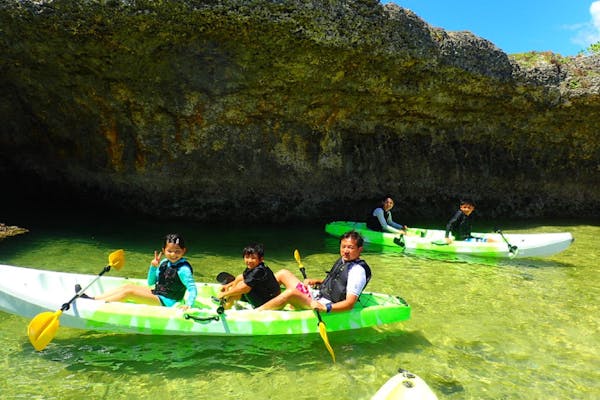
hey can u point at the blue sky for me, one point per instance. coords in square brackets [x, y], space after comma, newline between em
[565, 27]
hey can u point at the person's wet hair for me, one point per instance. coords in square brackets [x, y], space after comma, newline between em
[467, 202]
[353, 235]
[175, 238]
[254, 248]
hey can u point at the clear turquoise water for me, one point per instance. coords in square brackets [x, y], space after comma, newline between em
[527, 329]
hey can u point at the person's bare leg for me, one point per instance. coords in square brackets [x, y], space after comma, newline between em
[231, 300]
[137, 294]
[294, 297]
[278, 302]
[287, 278]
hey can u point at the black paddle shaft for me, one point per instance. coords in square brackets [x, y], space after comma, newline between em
[223, 278]
[67, 305]
[511, 249]
[303, 272]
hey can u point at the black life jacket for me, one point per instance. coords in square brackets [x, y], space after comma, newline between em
[374, 224]
[169, 284]
[334, 285]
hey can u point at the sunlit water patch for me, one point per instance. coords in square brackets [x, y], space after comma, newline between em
[516, 329]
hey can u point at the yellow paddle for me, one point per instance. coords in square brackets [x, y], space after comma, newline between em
[42, 328]
[322, 327]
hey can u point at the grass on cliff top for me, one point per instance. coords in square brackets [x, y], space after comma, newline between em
[532, 58]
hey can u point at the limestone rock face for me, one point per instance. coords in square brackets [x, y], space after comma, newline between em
[288, 110]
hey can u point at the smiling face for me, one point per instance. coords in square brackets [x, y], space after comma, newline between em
[467, 208]
[349, 249]
[173, 252]
[252, 260]
[388, 204]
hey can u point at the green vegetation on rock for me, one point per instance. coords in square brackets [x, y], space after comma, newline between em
[278, 110]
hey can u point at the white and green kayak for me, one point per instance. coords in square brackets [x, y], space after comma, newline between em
[496, 245]
[405, 386]
[28, 292]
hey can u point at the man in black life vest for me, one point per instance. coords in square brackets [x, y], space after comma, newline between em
[340, 289]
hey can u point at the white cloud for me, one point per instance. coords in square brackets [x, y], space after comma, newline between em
[589, 33]
[595, 11]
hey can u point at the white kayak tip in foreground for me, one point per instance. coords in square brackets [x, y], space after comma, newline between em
[405, 386]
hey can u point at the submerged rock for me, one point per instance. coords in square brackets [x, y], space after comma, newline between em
[6, 231]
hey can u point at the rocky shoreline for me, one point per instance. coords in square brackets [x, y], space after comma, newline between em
[7, 231]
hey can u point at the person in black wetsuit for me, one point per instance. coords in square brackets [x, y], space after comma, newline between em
[460, 223]
[256, 285]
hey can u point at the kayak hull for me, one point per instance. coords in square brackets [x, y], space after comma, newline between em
[28, 292]
[420, 240]
[404, 386]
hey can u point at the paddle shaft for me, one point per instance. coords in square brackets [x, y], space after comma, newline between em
[66, 306]
[320, 324]
[303, 271]
[43, 327]
[221, 308]
[224, 278]
[511, 248]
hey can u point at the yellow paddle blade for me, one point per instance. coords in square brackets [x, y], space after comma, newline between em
[323, 333]
[42, 328]
[116, 259]
[297, 257]
[322, 327]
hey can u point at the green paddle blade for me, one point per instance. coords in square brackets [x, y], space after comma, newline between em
[42, 329]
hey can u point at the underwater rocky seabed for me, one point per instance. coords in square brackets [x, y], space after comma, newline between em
[518, 329]
[284, 111]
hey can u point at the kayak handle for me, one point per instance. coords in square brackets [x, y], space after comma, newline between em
[201, 319]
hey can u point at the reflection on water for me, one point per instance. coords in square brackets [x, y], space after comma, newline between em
[518, 329]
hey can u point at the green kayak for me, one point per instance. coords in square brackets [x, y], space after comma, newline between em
[28, 292]
[493, 245]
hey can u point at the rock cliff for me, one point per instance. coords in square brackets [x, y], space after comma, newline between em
[287, 110]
